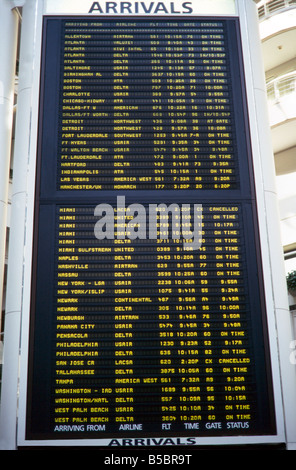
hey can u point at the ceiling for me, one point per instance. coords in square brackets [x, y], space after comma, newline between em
[279, 49]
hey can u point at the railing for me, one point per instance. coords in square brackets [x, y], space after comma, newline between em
[281, 86]
[270, 7]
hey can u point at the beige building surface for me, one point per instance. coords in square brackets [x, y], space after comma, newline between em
[277, 23]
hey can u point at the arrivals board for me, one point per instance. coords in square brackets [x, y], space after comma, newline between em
[134, 335]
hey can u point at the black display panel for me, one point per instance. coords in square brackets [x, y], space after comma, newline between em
[140, 331]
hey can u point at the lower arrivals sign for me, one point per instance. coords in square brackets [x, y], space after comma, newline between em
[147, 315]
